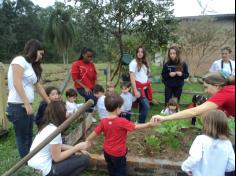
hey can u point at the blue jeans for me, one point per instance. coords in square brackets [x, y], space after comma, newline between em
[23, 126]
[116, 165]
[72, 166]
[87, 96]
[144, 106]
[126, 115]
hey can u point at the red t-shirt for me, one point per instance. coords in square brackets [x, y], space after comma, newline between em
[115, 132]
[225, 99]
[84, 72]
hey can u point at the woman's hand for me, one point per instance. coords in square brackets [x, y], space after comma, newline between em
[179, 73]
[29, 109]
[82, 146]
[87, 90]
[157, 119]
[136, 93]
[172, 74]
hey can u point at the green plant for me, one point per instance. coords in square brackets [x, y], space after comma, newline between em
[152, 144]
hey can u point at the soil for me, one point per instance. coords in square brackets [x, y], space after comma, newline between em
[173, 148]
[138, 146]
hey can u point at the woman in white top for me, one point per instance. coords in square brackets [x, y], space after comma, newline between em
[23, 75]
[56, 158]
[225, 63]
[139, 70]
[211, 153]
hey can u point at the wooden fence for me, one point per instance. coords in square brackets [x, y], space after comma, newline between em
[3, 119]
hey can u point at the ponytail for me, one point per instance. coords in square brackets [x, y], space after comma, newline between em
[219, 79]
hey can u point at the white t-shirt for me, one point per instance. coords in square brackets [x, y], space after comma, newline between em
[100, 107]
[128, 101]
[210, 157]
[28, 81]
[43, 159]
[141, 75]
[216, 66]
[167, 111]
[72, 107]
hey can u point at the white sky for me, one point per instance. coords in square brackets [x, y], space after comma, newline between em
[182, 7]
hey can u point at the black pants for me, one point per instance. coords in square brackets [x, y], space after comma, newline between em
[72, 166]
[172, 92]
[87, 96]
[116, 165]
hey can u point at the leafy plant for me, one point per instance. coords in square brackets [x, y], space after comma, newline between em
[152, 143]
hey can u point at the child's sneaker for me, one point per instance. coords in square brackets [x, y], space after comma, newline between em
[94, 120]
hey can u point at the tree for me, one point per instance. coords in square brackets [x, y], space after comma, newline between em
[140, 17]
[60, 30]
[200, 39]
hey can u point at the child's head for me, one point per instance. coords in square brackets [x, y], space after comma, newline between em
[173, 104]
[71, 95]
[55, 113]
[110, 87]
[125, 87]
[113, 102]
[198, 99]
[98, 90]
[53, 93]
[215, 124]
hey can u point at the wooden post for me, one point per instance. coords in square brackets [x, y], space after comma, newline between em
[3, 119]
[62, 127]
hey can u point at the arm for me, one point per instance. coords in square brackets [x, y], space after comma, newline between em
[144, 125]
[195, 153]
[132, 79]
[41, 92]
[18, 72]
[165, 72]
[66, 147]
[92, 136]
[185, 73]
[188, 113]
[59, 155]
[75, 78]
[231, 161]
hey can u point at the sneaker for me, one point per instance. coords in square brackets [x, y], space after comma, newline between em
[94, 120]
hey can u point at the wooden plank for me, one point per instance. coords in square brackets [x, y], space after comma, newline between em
[3, 118]
[184, 92]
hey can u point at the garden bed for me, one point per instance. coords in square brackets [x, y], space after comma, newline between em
[170, 141]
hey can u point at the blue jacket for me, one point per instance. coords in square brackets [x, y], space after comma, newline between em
[177, 81]
[39, 116]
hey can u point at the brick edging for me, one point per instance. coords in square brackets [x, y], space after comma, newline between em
[141, 166]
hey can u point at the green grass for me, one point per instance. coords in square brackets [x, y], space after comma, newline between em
[9, 154]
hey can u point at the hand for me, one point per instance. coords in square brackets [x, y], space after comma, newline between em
[189, 173]
[81, 146]
[172, 74]
[87, 90]
[137, 93]
[157, 119]
[179, 73]
[82, 152]
[29, 109]
[153, 124]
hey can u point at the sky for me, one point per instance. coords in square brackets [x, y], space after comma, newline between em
[181, 7]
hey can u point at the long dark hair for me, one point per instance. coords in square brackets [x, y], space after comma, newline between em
[178, 60]
[142, 60]
[30, 54]
[55, 113]
[85, 50]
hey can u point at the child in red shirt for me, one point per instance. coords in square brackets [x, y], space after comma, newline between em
[115, 131]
